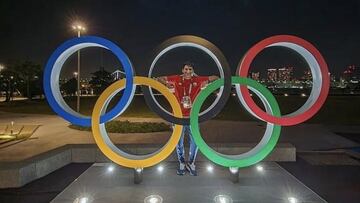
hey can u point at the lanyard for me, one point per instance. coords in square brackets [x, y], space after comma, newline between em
[189, 87]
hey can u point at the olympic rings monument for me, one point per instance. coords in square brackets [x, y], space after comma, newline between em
[117, 189]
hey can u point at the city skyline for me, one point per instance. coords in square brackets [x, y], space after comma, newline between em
[303, 73]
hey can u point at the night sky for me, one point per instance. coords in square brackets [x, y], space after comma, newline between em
[33, 29]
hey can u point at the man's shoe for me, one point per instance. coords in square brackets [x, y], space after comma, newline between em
[181, 170]
[191, 168]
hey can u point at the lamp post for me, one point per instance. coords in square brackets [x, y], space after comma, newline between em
[76, 76]
[78, 28]
[2, 67]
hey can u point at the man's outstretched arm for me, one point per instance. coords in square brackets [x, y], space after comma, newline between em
[213, 78]
[165, 81]
[162, 80]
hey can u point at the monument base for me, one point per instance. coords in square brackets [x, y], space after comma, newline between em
[264, 182]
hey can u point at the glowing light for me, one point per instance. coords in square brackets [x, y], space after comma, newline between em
[138, 170]
[81, 200]
[234, 170]
[286, 95]
[110, 168]
[84, 200]
[303, 94]
[78, 27]
[153, 199]
[233, 94]
[210, 168]
[259, 168]
[292, 200]
[160, 168]
[223, 199]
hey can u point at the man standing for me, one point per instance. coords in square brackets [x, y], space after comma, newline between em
[186, 87]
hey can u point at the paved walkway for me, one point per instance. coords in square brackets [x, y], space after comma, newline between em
[54, 133]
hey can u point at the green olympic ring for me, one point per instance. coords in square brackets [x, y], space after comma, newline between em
[261, 150]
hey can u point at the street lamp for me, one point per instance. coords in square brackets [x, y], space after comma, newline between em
[78, 28]
[1, 67]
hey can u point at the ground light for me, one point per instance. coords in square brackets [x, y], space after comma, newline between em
[210, 168]
[160, 168]
[223, 199]
[259, 168]
[234, 174]
[153, 199]
[138, 175]
[82, 200]
[110, 168]
[233, 170]
[292, 200]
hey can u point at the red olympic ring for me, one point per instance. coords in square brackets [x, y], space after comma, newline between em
[286, 120]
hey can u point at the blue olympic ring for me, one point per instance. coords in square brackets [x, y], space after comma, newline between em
[52, 73]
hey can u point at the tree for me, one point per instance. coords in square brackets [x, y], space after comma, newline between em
[100, 80]
[70, 87]
[30, 73]
[37, 85]
[9, 81]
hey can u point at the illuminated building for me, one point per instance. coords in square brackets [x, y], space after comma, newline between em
[285, 74]
[307, 75]
[272, 74]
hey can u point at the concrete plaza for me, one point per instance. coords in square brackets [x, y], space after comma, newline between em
[273, 184]
[54, 133]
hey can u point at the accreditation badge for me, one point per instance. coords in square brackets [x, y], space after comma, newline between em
[186, 102]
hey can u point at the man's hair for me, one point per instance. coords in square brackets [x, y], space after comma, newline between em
[188, 63]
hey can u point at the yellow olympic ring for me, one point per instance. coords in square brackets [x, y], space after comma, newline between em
[107, 146]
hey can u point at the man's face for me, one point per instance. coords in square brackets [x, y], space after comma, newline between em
[187, 71]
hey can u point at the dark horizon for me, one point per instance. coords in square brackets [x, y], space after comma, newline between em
[32, 30]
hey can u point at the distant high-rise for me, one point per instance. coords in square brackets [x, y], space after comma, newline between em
[307, 75]
[285, 74]
[351, 72]
[272, 74]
